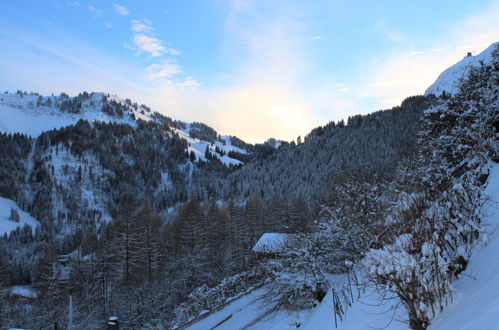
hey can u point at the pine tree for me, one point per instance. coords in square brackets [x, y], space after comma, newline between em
[14, 215]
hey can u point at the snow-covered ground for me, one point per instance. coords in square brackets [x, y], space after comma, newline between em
[23, 114]
[248, 312]
[449, 80]
[199, 147]
[476, 298]
[475, 302]
[20, 114]
[6, 225]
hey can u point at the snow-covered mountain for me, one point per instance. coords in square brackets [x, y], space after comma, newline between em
[32, 114]
[449, 80]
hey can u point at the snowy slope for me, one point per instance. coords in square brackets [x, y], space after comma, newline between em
[449, 80]
[475, 302]
[6, 225]
[476, 299]
[248, 312]
[32, 114]
[199, 147]
[23, 113]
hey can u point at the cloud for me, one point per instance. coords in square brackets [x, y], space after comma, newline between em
[388, 33]
[144, 41]
[188, 82]
[73, 4]
[67, 64]
[149, 44]
[120, 10]
[400, 74]
[142, 26]
[108, 25]
[163, 70]
[268, 90]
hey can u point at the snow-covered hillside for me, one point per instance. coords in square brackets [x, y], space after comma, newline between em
[6, 225]
[198, 147]
[33, 114]
[449, 80]
[475, 302]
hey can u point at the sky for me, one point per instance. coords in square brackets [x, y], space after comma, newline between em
[251, 68]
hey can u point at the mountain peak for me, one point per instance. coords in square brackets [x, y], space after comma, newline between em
[449, 80]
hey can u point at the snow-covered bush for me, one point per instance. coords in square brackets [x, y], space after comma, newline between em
[205, 298]
[434, 228]
[421, 263]
[298, 278]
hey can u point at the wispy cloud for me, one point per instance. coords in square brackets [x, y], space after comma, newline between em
[388, 33]
[263, 97]
[67, 64]
[145, 41]
[163, 70]
[400, 74]
[188, 82]
[73, 4]
[95, 12]
[120, 10]
[269, 93]
[144, 26]
[149, 44]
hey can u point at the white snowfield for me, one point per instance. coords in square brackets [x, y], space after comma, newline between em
[449, 80]
[19, 114]
[6, 225]
[199, 147]
[475, 302]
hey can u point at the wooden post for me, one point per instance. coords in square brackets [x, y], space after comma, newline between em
[350, 284]
[70, 314]
[334, 310]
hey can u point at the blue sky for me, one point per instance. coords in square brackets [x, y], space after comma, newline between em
[255, 69]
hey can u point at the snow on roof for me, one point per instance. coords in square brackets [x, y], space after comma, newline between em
[271, 242]
[23, 291]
